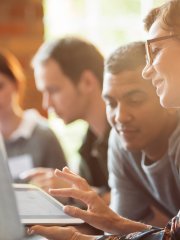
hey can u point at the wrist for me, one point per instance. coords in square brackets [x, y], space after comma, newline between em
[108, 237]
[125, 226]
[86, 237]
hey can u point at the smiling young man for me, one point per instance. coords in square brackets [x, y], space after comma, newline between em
[143, 147]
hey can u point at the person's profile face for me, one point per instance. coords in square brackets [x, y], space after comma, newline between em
[8, 93]
[59, 93]
[163, 68]
[133, 109]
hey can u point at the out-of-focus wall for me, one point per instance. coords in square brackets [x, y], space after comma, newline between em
[22, 32]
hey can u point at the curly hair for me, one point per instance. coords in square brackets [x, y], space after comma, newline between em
[168, 13]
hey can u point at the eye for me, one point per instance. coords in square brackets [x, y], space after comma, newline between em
[53, 90]
[136, 99]
[111, 104]
[155, 51]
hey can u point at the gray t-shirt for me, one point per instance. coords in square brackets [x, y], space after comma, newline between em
[42, 149]
[135, 185]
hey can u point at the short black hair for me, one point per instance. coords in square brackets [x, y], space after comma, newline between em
[126, 57]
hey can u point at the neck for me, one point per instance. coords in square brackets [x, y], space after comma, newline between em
[160, 145]
[96, 117]
[9, 122]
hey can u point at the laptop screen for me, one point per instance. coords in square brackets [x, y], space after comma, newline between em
[10, 225]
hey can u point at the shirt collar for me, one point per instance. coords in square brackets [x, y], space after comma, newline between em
[29, 121]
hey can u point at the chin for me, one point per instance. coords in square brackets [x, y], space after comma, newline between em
[68, 121]
[131, 147]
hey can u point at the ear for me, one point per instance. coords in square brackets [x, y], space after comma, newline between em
[88, 81]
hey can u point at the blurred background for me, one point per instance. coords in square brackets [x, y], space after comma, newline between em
[25, 24]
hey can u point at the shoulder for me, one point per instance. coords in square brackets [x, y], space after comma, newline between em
[116, 153]
[174, 143]
[115, 140]
[44, 132]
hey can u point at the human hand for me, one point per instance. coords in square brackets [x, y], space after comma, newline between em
[175, 226]
[43, 178]
[59, 233]
[105, 195]
[98, 214]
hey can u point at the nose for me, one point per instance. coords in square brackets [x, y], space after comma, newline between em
[46, 102]
[147, 72]
[122, 114]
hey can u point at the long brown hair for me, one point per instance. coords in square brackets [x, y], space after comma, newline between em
[11, 67]
[168, 13]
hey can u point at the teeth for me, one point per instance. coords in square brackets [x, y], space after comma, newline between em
[156, 82]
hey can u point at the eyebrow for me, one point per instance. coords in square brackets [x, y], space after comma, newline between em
[157, 39]
[128, 94]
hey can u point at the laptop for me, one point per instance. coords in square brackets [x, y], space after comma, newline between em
[38, 207]
[11, 226]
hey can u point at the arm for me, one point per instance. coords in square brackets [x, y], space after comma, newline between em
[127, 197]
[54, 156]
[59, 233]
[50, 156]
[98, 214]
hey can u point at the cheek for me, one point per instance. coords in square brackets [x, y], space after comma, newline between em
[173, 75]
[110, 117]
[7, 95]
[66, 103]
[161, 64]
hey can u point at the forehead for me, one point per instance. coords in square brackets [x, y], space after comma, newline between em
[50, 68]
[125, 82]
[157, 30]
[49, 73]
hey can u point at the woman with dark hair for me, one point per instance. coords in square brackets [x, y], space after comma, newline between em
[29, 142]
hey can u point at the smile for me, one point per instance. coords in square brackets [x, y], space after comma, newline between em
[159, 85]
[127, 132]
[156, 82]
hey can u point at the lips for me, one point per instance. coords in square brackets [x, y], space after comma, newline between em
[157, 82]
[127, 132]
[159, 85]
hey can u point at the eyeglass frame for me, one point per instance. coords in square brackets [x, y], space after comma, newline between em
[149, 57]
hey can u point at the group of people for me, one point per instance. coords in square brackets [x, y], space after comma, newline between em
[32, 148]
[30, 143]
[144, 139]
[143, 154]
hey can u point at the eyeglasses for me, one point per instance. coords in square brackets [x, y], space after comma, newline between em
[149, 54]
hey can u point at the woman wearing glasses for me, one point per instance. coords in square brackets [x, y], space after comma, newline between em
[163, 52]
[163, 67]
